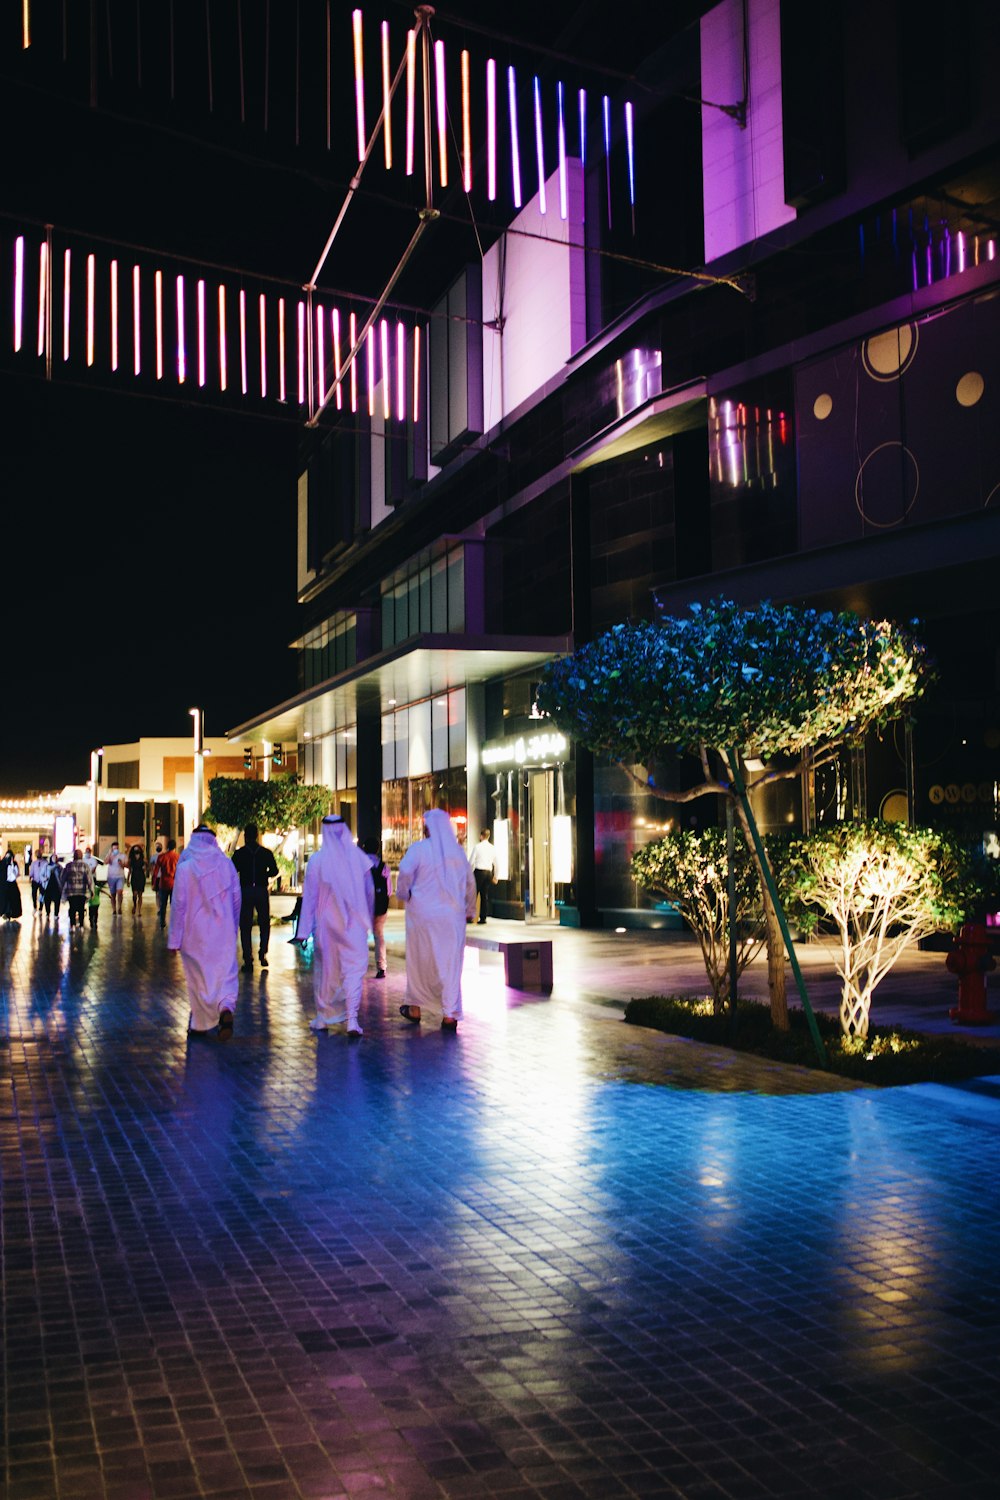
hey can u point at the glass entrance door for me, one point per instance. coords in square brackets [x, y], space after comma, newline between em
[540, 810]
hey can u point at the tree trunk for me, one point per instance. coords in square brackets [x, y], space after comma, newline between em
[775, 943]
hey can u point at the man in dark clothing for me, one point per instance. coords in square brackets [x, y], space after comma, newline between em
[255, 866]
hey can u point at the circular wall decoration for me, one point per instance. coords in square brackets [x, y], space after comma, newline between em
[884, 495]
[936, 794]
[894, 807]
[822, 407]
[886, 356]
[970, 388]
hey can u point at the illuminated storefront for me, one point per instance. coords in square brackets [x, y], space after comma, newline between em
[532, 788]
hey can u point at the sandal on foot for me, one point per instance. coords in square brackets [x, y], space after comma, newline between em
[449, 1023]
[406, 1012]
[225, 1020]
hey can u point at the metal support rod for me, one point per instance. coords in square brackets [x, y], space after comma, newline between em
[779, 911]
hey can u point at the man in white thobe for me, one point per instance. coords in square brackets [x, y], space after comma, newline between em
[337, 896]
[204, 923]
[438, 892]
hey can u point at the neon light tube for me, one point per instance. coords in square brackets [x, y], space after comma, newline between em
[561, 111]
[25, 24]
[607, 150]
[159, 325]
[282, 392]
[515, 153]
[371, 372]
[582, 101]
[416, 373]
[302, 343]
[359, 83]
[961, 251]
[181, 352]
[630, 148]
[386, 97]
[400, 372]
[491, 129]
[136, 322]
[67, 261]
[320, 356]
[19, 291]
[354, 363]
[335, 332]
[223, 369]
[114, 315]
[386, 371]
[243, 341]
[201, 333]
[411, 80]
[90, 310]
[466, 127]
[262, 320]
[539, 146]
[43, 282]
[991, 249]
[442, 111]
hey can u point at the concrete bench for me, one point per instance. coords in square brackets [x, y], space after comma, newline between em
[527, 962]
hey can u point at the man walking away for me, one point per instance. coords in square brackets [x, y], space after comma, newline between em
[483, 860]
[203, 924]
[435, 884]
[78, 884]
[53, 886]
[38, 874]
[255, 865]
[337, 914]
[163, 872]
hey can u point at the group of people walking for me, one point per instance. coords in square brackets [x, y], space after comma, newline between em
[345, 896]
[81, 881]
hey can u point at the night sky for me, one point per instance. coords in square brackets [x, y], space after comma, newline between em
[147, 545]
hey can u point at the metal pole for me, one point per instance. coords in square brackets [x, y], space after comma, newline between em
[198, 716]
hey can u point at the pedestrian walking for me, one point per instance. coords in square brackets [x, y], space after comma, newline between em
[204, 921]
[94, 905]
[163, 878]
[255, 866]
[337, 897]
[137, 877]
[116, 878]
[38, 874]
[77, 887]
[436, 886]
[10, 893]
[381, 877]
[53, 887]
[483, 860]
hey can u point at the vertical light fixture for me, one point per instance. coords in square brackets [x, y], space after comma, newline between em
[400, 372]
[262, 321]
[320, 355]
[442, 112]
[201, 332]
[359, 83]
[561, 111]
[411, 84]
[582, 107]
[181, 348]
[466, 126]
[386, 371]
[25, 24]
[67, 263]
[282, 389]
[606, 106]
[243, 341]
[158, 280]
[961, 251]
[354, 362]
[335, 332]
[371, 372]
[491, 129]
[19, 292]
[416, 373]
[90, 310]
[630, 149]
[386, 97]
[43, 282]
[223, 360]
[114, 315]
[301, 319]
[539, 145]
[136, 321]
[515, 152]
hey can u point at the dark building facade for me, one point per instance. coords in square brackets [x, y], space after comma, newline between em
[811, 415]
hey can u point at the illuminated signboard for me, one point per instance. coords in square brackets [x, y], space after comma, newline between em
[65, 834]
[526, 750]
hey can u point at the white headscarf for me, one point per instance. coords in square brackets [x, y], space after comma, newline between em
[209, 864]
[447, 864]
[344, 867]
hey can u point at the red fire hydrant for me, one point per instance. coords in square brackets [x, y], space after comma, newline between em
[971, 960]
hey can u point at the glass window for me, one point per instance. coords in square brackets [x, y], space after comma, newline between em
[439, 596]
[388, 619]
[456, 590]
[402, 628]
[425, 599]
[352, 756]
[401, 720]
[420, 738]
[388, 748]
[439, 733]
[456, 727]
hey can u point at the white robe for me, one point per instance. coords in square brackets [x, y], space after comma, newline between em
[204, 923]
[438, 889]
[337, 902]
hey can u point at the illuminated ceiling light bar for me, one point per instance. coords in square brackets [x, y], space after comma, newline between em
[335, 331]
[262, 320]
[302, 350]
[561, 109]
[354, 362]
[386, 97]
[400, 372]
[359, 83]
[371, 372]
[411, 84]
[515, 152]
[606, 106]
[223, 363]
[201, 333]
[181, 349]
[159, 324]
[386, 371]
[491, 129]
[466, 127]
[582, 104]
[416, 373]
[136, 321]
[67, 263]
[90, 310]
[320, 355]
[282, 388]
[442, 112]
[114, 315]
[43, 282]
[630, 148]
[19, 292]
[243, 341]
[539, 145]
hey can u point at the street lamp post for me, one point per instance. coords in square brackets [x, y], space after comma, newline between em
[198, 715]
[95, 757]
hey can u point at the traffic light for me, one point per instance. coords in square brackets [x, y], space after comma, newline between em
[248, 758]
[277, 757]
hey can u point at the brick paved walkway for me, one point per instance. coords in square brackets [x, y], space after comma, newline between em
[552, 1256]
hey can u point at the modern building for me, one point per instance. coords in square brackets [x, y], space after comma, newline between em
[744, 346]
[146, 790]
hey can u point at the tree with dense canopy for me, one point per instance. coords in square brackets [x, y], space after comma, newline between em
[276, 806]
[790, 687]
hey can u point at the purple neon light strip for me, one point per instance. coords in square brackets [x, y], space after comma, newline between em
[561, 111]
[630, 147]
[515, 151]
[539, 145]
[491, 129]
